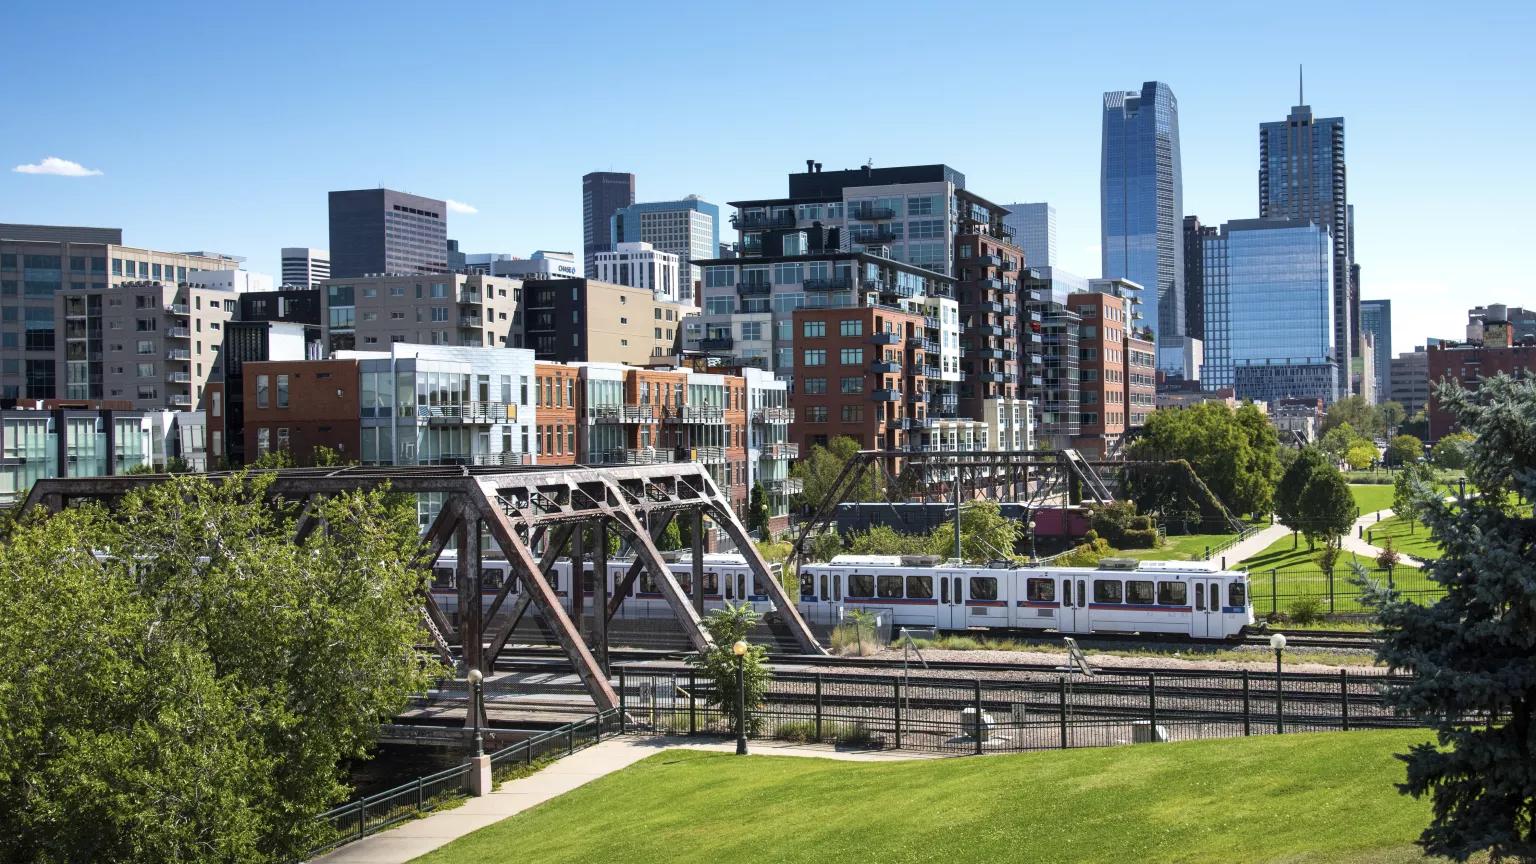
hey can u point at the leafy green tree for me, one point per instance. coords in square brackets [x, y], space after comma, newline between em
[328, 456]
[885, 540]
[1233, 452]
[141, 468]
[1403, 449]
[1453, 451]
[1392, 415]
[1363, 418]
[824, 546]
[1337, 441]
[1362, 455]
[671, 537]
[985, 533]
[1472, 654]
[1327, 508]
[1328, 559]
[757, 510]
[273, 459]
[727, 626]
[1405, 486]
[821, 467]
[176, 465]
[1309, 462]
[192, 694]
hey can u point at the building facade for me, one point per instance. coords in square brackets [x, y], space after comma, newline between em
[1269, 310]
[1410, 380]
[1117, 370]
[603, 193]
[45, 439]
[370, 313]
[1468, 364]
[304, 267]
[688, 229]
[641, 265]
[1302, 176]
[1195, 235]
[584, 320]
[381, 231]
[1052, 385]
[987, 266]
[1141, 196]
[1376, 322]
[542, 264]
[860, 373]
[1034, 230]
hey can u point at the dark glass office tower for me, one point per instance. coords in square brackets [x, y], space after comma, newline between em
[1302, 176]
[1141, 198]
[376, 231]
[602, 194]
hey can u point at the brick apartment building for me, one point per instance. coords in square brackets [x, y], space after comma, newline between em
[1117, 371]
[1468, 364]
[556, 389]
[860, 372]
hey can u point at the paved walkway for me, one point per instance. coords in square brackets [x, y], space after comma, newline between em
[1353, 542]
[416, 838]
[1252, 545]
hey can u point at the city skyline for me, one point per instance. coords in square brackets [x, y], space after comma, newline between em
[515, 192]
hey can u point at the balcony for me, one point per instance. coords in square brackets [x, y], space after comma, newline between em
[986, 353]
[469, 297]
[871, 213]
[1009, 266]
[706, 455]
[180, 400]
[930, 346]
[886, 395]
[827, 284]
[930, 322]
[781, 451]
[885, 338]
[177, 309]
[717, 343]
[471, 321]
[896, 289]
[987, 306]
[788, 486]
[179, 377]
[1010, 354]
[989, 260]
[885, 367]
[763, 220]
[949, 402]
[774, 416]
[932, 372]
[468, 413]
[921, 396]
[754, 289]
[994, 377]
[178, 333]
[693, 414]
[988, 330]
[873, 237]
[500, 459]
[633, 456]
[621, 413]
[178, 354]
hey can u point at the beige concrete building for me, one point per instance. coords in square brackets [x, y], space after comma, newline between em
[370, 313]
[584, 320]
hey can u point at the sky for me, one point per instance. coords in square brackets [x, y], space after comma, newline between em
[221, 126]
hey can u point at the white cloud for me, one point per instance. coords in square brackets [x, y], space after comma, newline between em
[57, 167]
[461, 207]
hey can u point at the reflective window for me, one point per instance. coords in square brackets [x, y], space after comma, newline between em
[1040, 590]
[861, 585]
[1172, 593]
[983, 588]
[1237, 594]
[920, 587]
[890, 586]
[1106, 591]
[1138, 592]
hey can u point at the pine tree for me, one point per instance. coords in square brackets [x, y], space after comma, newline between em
[1472, 654]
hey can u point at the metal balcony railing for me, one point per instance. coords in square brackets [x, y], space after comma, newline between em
[501, 459]
[932, 372]
[774, 416]
[870, 213]
[717, 343]
[179, 399]
[989, 260]
[706, 455]
[178, 309]
[633, 456]
[875, 237]
[179, 378]
[754, 289]
[485, 413]
[178, 354]
[178, 333]
[763, 220]
[884, 394]
[827, 284]
[788, 486]
[884, 367]
[884, 338]
[781, 450]
[693, 414]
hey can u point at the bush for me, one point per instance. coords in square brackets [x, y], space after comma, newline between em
[1086, 555]
[855, 735]
[1306, 610]
[798, 731]
[1139, 538]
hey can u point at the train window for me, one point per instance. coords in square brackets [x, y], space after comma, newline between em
[983, 588]
[920, 587]
[1106, 591]
[757, 585]
[587, 582]
[1138, 592]
[1040, 590]
[442, 577]
[826, 588]
[647, 582]
[807, 586]
[1172, 593]
[1200, 596]
[1236, 595]
[944, 589]
[490, 578]
[741, 585]
[861, 585]
[711, 583]
[890, 586]
[685, 582]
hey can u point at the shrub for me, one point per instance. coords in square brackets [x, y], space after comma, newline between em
[798, 731]
[1139, 538]
[1306, 610]
[854, 735]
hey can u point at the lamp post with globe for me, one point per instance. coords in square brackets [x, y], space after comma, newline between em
[740, 650]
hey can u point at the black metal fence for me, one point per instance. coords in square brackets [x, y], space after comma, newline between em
[1033, 712]
[374, 813]
[1277, 589]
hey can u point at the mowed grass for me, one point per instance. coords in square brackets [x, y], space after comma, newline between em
[1280, 554]
[1295, 798]
[1408, 536]
[1179, 547]
[1371, 497]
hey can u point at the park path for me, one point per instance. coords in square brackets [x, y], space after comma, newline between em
[1251, 545]
[1355, 542]
[416, 838]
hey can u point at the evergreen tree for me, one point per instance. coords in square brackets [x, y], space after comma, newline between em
[1472, 654]
[757, 511]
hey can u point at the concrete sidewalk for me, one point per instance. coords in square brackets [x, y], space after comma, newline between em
[413, 839]
[1353, 542]
[1251, 545]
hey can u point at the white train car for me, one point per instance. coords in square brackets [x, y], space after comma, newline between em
[726, 578]
[1117, 596]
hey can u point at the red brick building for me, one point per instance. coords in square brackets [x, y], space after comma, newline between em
[1116, 370]
[859, 372]
[301, 405]
[1468, 365]
[557, 394]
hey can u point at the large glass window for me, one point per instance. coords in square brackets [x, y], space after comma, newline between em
[1172, 594]
[1107, 591]
[1137, 591]
[983, 588]
[861, 585]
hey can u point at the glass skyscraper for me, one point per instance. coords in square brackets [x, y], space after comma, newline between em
[1269, 325]
[1376, 319]
[1141, 205]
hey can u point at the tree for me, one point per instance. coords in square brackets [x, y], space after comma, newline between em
[671, 538]
[1337, 441]
[273, 459]
[824, 546]
[757, 511]
[191, 693]
[1233, 452]
[885, 540]
[1361, 416]
[1403, 449]
[1327, 559]
[324, 456]
[1472, 654]
[1392, 415]
[985, 534]
[1452, 452]
[1405, 486]
[1362, 455]
[727, 626]
[1388, 558]
[823, 465]
[1327, 508]
[1310, 461]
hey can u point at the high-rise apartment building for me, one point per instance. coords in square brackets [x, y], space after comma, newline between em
[44, 439]
[1117, 370]
[1194, 278]
[587, 321]
[1269, 325]
[1052, 383]
[1034, 230]
[641, 265]
[1141, 201]
[860, 373]
[469, 310]
[1410, 380]
[1376, 320]
[987, 267]
[603, 193]
[1302, 176]
[689, 229]
[304, 267]
[384, 232]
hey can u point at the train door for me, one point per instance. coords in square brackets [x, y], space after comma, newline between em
[1074, 605]
[951, 603]
[1207, 609]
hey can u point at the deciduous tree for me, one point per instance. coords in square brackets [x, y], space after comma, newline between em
[1233, 452]
[1452, 451]
[821, 467]
[1327, 508]
[1404, 449]
[1288, 504]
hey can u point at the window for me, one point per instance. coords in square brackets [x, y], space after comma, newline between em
[920, 587]
[850, 327]
[852, 357]
[146, 346]
[1237, 595]
[814, 357]
[853, 384]
[263, 437]
[890, 586]
[861, 585]
[282, 391]
[1040, 590]
[1138, 592]
[853, 413]
[1106, 591]
[1172, 594]
[814, 386]
[816, 414]
[262, 384]
[983, 588]
[813, 329]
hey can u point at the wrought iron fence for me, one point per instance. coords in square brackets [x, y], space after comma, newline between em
[1278, 589]
[1041, 711]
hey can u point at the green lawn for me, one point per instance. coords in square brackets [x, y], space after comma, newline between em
[1296, 798]
[1408, 537]
[1180, 547]
[1371, 497]
[1280, 554]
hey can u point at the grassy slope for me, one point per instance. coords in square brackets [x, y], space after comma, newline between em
[1180, 547]
[1280, 554]
[1371, 497]
[1297, 798]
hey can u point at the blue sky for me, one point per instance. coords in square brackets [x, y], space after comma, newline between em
[222, 126]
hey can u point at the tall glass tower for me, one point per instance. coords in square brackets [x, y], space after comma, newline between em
[1141, 206]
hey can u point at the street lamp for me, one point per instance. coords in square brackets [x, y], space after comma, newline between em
[477, 705]
[740, 650]
[1277, 642]
[1032, 555]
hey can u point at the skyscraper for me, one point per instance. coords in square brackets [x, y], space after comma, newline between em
[1376, 319]
[1302, 176]
[379, 231]
[1034, 229]
[1141, 200]
[689, 229]
[602, 194]
[1194, 276]
[305, 267]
